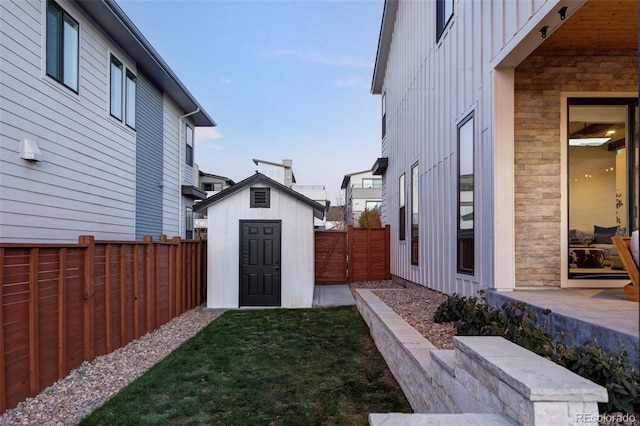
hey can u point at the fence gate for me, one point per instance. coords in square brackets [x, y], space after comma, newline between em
[331, 257]
[358, 254]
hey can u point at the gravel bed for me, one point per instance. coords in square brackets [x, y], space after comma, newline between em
[90, 385]
[416, 306]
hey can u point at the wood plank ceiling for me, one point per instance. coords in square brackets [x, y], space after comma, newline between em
[598, 25]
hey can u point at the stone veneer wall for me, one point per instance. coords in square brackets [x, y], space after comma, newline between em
[539, 79]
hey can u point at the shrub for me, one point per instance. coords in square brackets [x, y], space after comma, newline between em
[518, 324]
[370, 218]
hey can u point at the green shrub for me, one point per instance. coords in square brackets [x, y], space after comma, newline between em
[516, 322]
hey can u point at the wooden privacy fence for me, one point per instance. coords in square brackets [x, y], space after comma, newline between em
[357, 254]
[62, 304]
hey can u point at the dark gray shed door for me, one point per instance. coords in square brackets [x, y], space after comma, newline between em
[149, 159]
[260, 263]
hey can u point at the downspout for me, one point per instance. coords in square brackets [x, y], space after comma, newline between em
[181, 161]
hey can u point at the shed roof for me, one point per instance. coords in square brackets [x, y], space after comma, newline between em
[259, 178]
[115, 22]
[384, 43]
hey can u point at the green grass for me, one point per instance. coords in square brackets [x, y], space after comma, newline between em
[269, 367]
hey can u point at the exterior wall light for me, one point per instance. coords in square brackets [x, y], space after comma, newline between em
[563, 13]
[543, 31]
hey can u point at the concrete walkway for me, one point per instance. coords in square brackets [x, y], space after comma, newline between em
[332, 295]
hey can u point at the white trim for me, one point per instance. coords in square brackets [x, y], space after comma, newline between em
[504, 255]
[565, 282]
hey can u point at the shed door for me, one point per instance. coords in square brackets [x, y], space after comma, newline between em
[260, 263]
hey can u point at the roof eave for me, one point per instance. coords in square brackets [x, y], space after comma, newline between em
[119, 27]
[384, 43]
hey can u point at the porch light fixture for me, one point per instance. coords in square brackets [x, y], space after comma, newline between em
[588, 141]
[563, 13]
[543, 31]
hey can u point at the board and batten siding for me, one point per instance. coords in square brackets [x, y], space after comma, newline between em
[149, 159]
[83, 185]
[171, 191]
[431, 85]
[297, 248]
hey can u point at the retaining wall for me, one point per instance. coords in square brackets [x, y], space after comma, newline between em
[483, 374]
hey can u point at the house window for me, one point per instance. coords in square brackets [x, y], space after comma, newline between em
[384, 114]
[189, 223]
[402, 219]
[465, 247]
[372, 183]
[373, 205]
[260, 198]
[602, 191]
[189, 151]
[116, 88]
[63, 44]
[209, 186]
[415, 219]
[130, 100]
[444, 12]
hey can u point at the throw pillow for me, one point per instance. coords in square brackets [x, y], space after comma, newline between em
[603, 235]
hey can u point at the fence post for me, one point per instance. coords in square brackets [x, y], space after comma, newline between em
[199, 271]
[89, 274]
[123, 295]
[3, 381]
[62, 314]
[34, 351]
[387, 252]
[148, 282]
[179, 280]
[350, 253]
[107, 296]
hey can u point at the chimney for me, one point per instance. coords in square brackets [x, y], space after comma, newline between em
[288, 172]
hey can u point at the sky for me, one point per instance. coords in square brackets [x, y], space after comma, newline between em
[282, 79]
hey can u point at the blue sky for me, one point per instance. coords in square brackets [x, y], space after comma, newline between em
[282, 79]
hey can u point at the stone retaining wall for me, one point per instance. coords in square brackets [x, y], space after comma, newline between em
[481, 375]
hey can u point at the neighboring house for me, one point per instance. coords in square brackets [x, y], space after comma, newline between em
[96, 130]
[335, 218]
[260, 249]
[509, 141]
[281, 173]
[211, 184]
[317, 193]
[362, 190]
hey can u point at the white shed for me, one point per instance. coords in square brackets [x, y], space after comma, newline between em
[260, 249]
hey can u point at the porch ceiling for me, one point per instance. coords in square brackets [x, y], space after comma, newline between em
[598, 25]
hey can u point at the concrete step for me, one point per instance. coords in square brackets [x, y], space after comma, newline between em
[419, 419]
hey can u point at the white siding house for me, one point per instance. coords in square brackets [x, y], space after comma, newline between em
[260, 247]
[492, 113]
[93, 127]
[362, 190]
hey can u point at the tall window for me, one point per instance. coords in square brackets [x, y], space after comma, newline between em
[602, 193]
[62, 46]
[189, 151]
[465, 252]
[415, 218]
[402, 214]
[130, 100]
[384, 114]
[189, 223]
[444, 12]
[116, 88]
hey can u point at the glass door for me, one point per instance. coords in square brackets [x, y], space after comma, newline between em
[601, 145]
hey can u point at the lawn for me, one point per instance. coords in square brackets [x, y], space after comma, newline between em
[271, 367]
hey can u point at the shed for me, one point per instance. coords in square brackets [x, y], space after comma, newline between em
[260, 246]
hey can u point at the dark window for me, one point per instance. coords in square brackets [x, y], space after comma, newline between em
[260, 198]
[444, 12]
[62, 46]
[115, 98]
[189, 147]
[189, 223]
[415, 215]
[402, 219]
[384, 114]
[130, 100]
[465, 211]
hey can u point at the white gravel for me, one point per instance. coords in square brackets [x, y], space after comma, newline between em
[90, 385]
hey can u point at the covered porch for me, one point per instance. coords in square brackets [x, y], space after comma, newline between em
[603, 315]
